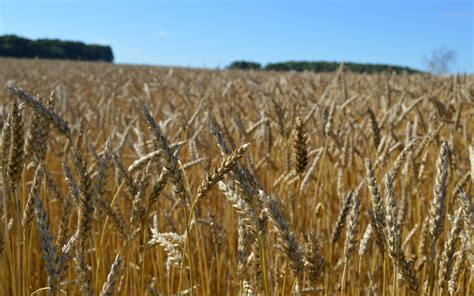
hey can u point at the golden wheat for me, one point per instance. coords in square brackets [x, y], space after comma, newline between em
[117, 162]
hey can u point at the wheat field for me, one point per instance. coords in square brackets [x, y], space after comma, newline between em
[134, 180]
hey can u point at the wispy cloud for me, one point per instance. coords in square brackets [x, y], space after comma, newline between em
[467, 15]
[104, 41]
[133, 51]
[161, 34]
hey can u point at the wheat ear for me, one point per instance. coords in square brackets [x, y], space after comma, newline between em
[47, 243]
[36, 105]
[447, 257]
[109, 285]
[218, 172]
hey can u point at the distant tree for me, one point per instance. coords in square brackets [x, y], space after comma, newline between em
[14, 46]
[440, 60]
[244, 65]
[319, 67]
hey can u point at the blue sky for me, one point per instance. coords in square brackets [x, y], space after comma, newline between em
[214, 33]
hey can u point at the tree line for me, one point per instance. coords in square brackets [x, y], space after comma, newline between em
[318, 67]
[19, 47]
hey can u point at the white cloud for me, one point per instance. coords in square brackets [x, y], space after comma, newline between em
[161, 34]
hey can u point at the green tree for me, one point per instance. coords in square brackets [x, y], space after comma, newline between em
[14, 46]
[244, 65]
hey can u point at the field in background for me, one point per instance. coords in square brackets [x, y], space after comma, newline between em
[289, 215]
